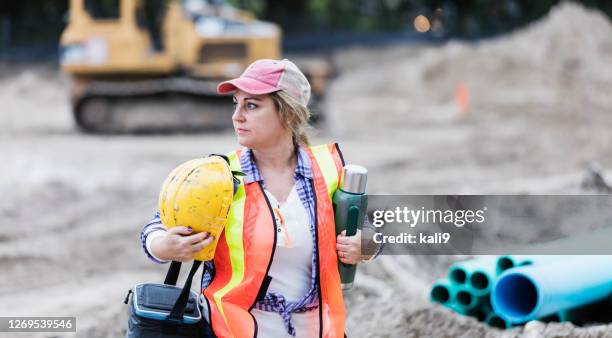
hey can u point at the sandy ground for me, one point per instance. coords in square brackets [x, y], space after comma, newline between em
[540, 113]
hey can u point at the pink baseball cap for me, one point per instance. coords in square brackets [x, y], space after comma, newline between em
[267, 76]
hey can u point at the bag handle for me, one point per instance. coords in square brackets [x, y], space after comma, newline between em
[176, 315]
[173, 273]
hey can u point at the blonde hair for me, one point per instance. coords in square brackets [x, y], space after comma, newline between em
[293, 116]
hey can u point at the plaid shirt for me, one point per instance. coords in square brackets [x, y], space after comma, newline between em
[272, 301]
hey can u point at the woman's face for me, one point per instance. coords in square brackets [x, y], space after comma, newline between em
[256, 121]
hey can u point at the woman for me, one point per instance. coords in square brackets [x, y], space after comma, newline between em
[274, 273]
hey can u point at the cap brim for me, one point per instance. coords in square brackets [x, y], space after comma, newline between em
[246, 84]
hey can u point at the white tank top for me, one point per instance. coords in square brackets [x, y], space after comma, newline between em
[290, 269]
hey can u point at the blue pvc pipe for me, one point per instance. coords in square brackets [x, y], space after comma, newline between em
[479, 313]
[442, 291]
[494, 320]
[506, 262]
[534, 291]
[465, 299]
[460, 272]
[482, 278]
[455, 307]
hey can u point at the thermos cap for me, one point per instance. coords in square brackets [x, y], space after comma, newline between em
[355, 179]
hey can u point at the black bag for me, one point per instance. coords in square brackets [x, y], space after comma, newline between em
[166, 311]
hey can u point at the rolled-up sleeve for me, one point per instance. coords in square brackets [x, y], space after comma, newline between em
[151, 230]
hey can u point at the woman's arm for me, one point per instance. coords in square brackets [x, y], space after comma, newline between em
[177, 244]
[153, 229]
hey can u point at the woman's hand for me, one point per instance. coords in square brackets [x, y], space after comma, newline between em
[180, 244]
[349, 248]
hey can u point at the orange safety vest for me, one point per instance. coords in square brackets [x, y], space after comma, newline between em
[246, 248]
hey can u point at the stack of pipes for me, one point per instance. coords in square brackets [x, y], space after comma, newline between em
[505, 291]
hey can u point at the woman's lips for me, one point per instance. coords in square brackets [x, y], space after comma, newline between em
[241, 130]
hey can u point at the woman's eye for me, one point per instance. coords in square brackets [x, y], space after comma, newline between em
[251, 106]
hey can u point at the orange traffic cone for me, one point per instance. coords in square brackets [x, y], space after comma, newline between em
[462, 97]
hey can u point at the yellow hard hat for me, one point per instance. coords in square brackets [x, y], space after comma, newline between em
[198, 194]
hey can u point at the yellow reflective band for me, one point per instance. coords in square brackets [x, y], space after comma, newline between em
[234, 160]
[328, 167]
[233, 237]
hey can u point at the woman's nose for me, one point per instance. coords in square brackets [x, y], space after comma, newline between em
[238, 115]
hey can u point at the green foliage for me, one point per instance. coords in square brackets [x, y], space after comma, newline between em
[31, 22]
[35, 22]
[464, 18]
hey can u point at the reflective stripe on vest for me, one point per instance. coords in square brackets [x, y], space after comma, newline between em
[325, 182]
[246, 247]
[331, 165]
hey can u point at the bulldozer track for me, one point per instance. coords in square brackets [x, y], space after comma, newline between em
[156, 105]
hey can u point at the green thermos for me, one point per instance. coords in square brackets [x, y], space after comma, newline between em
[350, 206]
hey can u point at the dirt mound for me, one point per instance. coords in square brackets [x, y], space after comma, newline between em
[527, 91]
[559, 64]
[34, 97]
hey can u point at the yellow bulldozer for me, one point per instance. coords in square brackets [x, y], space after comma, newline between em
[141, 65]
